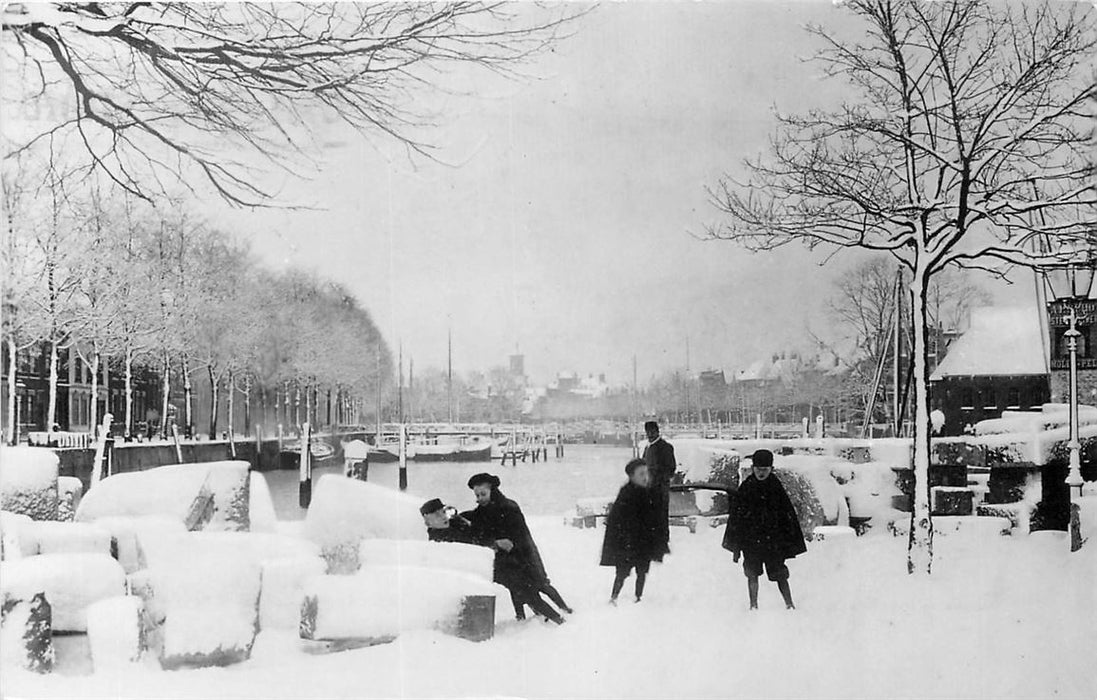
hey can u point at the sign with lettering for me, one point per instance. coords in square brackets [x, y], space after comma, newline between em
[1085, 312]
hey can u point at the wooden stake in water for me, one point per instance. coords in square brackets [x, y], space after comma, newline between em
[403, 457]
[178, 447]
[304, 492]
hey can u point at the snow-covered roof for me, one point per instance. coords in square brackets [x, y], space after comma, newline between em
[1000, 341]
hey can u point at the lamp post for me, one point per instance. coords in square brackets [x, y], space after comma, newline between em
[1072, 282]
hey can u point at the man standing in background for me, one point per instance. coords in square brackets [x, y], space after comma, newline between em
[659, 456]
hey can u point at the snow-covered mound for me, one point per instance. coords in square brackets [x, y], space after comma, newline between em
[130, 536]
[115, 632]
[203, 496]
[25, 633]
[12, 543]
[346, 511]
[71, 583]
[261, 515]
[46, 537]
[28, 481]
[283, 590]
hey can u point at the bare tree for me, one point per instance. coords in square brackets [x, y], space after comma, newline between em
[965, 142]
[159, 89]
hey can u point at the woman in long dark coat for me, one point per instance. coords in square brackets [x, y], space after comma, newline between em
[518, 565]
[632, 539]
[763, 528]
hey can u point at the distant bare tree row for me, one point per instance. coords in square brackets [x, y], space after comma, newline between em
[103, 274]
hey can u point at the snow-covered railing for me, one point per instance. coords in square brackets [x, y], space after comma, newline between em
[59, 438]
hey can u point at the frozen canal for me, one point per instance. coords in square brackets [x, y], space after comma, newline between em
[542, 488]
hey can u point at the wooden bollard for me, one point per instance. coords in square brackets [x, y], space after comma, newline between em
[304, 492]
[476, 621]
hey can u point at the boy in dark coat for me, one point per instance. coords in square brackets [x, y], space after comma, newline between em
[763, 528]
[632, 531]
[444, 524]
[659, 456]
[518, 566]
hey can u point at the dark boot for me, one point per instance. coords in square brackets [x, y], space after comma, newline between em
[641, 578]
[556, 598]
[786, 593]
[752, 591]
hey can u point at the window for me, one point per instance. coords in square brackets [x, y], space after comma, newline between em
[1013, 397]
[967, 397]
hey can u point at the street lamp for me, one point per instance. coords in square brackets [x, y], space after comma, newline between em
[1069, 283]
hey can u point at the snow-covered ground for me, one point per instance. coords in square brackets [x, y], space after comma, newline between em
[1000, 618]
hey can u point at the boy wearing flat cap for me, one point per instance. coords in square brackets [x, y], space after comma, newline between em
[445, 525]
[763, 528]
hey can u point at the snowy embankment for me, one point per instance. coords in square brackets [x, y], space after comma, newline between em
[1004, 618]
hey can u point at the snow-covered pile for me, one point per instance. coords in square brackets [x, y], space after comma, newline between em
[25, 632]
[283, 590]
[69, 492]
[115, 631]
[130, 536]
[71, 583]
[381, 602]
[28, 481]
[1035, 437]
[12, 543]
[206, 495]
[261, 515]
[346, 511]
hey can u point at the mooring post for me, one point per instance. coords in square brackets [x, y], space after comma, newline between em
[178, 447]
[101, 450]
[304, 493]
[403, 457]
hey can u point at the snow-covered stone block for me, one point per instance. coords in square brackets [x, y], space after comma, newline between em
[283, 590]
[71, 583]
[25, 631]
[129, 536]
[51, 537]
[28, 481]
[205, 588]
[379, 603]
[453, 556]
[69, 492]
[204, 496]
[951, 500]
[956, 452]
[346, 511]
[261, 515]
[13, 543]
[114, 631]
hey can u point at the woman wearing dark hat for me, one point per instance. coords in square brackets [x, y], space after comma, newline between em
[518, 566]
[763, 528]
[632, 527]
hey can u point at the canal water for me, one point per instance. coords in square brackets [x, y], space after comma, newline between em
[542, 488]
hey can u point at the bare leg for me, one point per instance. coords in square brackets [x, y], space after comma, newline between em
[786, 593]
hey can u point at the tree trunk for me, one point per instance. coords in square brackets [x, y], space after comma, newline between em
[309, 418]
[232, 406]
[187, 404]
[212, 403]
[920, 544]
[93, 410]
[11, 390]
[263, 404]
[129, 393]
[165, 392]
[51, 414]
[329, 408]
[247, 405]
[297, 405]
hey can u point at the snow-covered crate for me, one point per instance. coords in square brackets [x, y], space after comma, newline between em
[261, 515]
[28, 481]
[115, 631]
[454, 556]
[951, 500]
[71, 583]
[46, 537]
[283, 590]
[204, 496]
[346, 511]
[25, 631]
[379, 603]
[1018, 514]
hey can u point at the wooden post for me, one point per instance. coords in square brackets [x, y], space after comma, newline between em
[280, 439]
[304, 492]
[403, 457]
[100, 450]
[178, 447]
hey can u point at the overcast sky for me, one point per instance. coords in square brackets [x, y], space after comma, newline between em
[560, 219]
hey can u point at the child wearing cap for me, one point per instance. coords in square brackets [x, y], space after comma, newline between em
[763, 528]
[632, 538]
